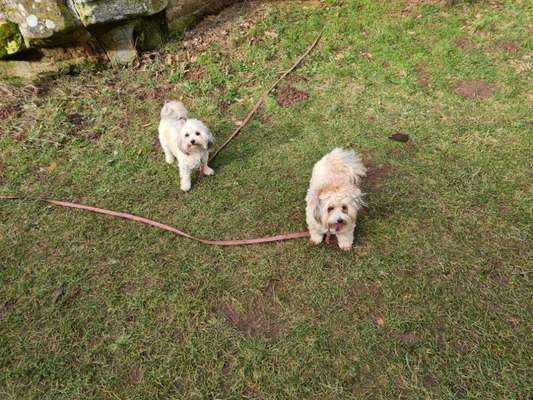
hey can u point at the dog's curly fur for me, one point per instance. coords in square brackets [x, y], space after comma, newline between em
[334, 197]
[186, 140]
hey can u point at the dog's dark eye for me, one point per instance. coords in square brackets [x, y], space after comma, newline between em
[186, 135]
[197, 133]
[330, 209]
[344, 208]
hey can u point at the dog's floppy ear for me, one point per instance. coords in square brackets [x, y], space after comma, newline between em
[181, 145]
[316, 212]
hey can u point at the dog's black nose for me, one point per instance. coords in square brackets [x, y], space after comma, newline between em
[193, 141]
[340, 221]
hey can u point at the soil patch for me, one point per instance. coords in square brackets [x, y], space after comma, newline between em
[75, 118]
[259, 321]
[475, 89]
[6, 309]
[289, 95]
[223, 28]
[466, 44]
[422, 77]
[408, 338]
[509, 47]
[9, 110]
[375, 176]
[194, 74]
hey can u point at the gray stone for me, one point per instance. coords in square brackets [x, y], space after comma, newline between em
[118, 43]
[119, 26]
[92, 12]
[40, 22]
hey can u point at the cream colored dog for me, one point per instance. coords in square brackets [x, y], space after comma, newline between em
[186, 140]
[334, 198]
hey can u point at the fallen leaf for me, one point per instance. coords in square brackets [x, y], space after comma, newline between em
[51, 168]
[379, 321]
[58, 292]
[399, 137]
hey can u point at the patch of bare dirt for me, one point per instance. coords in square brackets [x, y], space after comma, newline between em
[422, 76]
[10, 110]
[465, 43]
[475, 89]
[236, 20]
[509, 47]
[9, 92]
[153, 94]
[6, 308]
[375, 176]
[75, 118]
[430, 382]
[406, 338]
[289, 95]
[259, 321]
[410, 7]
[194, 74]
[156, 146]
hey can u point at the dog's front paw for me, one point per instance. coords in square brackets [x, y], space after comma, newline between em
[315, 239]
[209, 171]
[345, 247]
[185, 187]
[169, 159]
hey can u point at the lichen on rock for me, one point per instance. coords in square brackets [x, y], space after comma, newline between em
[118, 27]
[11, 40]
[41, 22]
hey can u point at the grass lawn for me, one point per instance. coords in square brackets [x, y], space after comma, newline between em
[434, 302]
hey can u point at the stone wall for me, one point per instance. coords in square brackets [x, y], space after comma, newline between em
[112, 25]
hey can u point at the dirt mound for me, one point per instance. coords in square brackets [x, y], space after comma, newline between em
[289, 95]
[475, 89]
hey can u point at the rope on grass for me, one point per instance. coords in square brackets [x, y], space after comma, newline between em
[265, 94]
[164, 227]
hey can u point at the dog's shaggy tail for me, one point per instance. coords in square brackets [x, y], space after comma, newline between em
[350, 162]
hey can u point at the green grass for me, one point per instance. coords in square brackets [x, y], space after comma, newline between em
[433, 303]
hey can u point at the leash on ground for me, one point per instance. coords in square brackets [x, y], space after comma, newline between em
[168, 228]
[265, 94]
[159, 225]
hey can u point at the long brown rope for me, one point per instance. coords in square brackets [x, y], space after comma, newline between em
[165, 227]
[265, 94]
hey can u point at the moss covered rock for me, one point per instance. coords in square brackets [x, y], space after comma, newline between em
[41, 23]
[11, 41]
[119, 27]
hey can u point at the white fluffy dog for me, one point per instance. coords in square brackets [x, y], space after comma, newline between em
[186, 140]
[334, 198]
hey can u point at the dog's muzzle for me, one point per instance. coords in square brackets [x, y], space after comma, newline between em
[338, 226]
